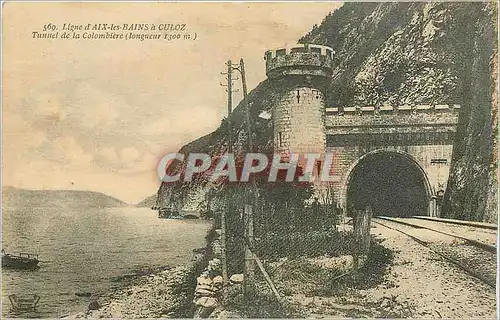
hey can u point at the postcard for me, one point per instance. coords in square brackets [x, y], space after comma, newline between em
[249, 159]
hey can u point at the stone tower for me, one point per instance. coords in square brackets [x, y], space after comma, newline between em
[302, 74]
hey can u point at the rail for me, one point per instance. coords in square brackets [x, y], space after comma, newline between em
[476, 224]
[424, 243]
[479, 244]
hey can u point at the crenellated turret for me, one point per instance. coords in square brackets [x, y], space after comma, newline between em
[302, 60]
[299, 116]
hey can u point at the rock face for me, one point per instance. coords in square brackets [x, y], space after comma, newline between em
[411, 53]
[394, 53]
[401, 53]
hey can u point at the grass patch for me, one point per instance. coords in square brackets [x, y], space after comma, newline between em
[263, 305]
[305, 244]
[300, 270]
[302, 276]
[369, 275]
[373, 271]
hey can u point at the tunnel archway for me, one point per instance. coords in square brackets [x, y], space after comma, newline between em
[392, 183]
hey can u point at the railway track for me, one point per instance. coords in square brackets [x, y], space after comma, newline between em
[475, 257]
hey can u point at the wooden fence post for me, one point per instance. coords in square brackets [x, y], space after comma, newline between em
[367, 219]
[362, 225]
[248, 272]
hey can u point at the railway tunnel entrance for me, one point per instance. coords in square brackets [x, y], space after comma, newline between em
[393, 184]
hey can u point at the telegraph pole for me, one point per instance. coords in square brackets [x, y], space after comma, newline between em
[229, 143]
[229, 103]
[245, 103]
[249, 276]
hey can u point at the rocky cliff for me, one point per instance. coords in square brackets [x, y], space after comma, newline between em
[398, 53]
[404, 53]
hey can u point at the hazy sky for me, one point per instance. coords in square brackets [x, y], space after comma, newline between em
[98, 115]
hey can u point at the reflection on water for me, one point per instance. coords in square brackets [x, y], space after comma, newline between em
[90, 250]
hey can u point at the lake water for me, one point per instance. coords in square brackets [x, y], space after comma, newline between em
[90, 250]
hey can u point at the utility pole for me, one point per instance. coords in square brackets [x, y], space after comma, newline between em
[249, 276]
[229, 143]
[248, 287]
[229, 103]
[245, 103]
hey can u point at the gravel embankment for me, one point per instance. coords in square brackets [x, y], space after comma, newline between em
[159, 295]
[432, 286]
[477, 260]
[417, 284]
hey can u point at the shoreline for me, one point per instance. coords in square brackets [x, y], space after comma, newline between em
[166, 293]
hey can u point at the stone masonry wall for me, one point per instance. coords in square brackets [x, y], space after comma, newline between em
[423, 134]
[392, 119]
[299, 121]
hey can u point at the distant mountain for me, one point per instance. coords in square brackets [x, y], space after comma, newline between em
[148, 202]
[14, 197]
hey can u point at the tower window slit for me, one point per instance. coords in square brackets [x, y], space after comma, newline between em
[316, 92]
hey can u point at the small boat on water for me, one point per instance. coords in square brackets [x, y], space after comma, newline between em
[19, 261]
[24, 303]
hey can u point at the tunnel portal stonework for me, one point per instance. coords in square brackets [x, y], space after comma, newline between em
[423, 134]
